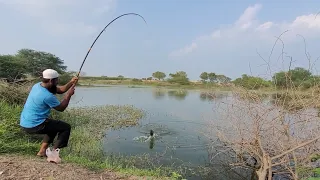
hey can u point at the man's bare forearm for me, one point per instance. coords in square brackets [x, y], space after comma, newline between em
[64, 103]
[68, 86]
[66, 100]
[65, 88]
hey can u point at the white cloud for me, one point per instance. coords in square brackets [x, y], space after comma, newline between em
[245, 20]
[216, 34]
[103, 9]
[62, 17]
[306, 21]
[186, 50]
[265, 26]
[248, 30]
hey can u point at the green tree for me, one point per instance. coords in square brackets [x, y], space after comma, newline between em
[251, 82]
[280, 79]
[296, 77]
[179, 77]
[300, 74]
[222, 79]
[64, 78]
[11, 68]
[179, 74]
[212, 77]
[37, 61]
[159, 75]
[204, 76]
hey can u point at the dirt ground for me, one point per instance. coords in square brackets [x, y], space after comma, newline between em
[33, 168]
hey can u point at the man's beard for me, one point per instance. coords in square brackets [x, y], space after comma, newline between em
[53, 89]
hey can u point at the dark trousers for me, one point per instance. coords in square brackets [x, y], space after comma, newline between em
[51, 128]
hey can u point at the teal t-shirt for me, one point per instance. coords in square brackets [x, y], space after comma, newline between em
[38, 106]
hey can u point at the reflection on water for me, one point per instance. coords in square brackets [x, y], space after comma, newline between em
[219, 168]
[210, 96]
[158, 93]
[206, 96]
[178, 94]
[151, 143]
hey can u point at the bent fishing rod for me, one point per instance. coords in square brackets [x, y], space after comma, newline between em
[101, 33]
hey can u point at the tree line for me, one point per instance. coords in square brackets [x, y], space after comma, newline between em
[30, 63]
[181, 77]
[298, 77]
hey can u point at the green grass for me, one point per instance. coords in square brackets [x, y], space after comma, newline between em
[85, 146]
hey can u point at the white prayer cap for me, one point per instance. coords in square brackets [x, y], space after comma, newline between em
[50, 74]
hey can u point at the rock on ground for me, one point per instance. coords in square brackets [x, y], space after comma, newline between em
[14, 167]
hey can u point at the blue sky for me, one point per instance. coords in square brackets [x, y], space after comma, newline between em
[218, 36]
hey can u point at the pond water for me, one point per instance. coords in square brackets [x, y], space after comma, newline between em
[179, 118]
[186, 123]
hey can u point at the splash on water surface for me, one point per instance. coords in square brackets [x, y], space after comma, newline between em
[158, 129]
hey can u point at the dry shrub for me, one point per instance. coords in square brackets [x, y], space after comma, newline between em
[268, 136]
[272, 133]
[14, 93]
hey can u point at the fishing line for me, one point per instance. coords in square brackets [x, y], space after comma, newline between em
[102, 32]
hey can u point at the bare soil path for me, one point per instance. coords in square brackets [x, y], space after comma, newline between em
[13, 167]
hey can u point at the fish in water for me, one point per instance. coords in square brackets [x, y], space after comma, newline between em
[146, 138]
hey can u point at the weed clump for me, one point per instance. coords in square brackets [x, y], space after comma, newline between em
[14, 93]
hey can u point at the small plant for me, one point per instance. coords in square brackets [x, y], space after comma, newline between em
[176, 176]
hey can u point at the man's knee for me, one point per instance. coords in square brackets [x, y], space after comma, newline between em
[64, 125]
[67, 126]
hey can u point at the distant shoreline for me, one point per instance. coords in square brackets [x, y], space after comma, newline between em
[148, 83]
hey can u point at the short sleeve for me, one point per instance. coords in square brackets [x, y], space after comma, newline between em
[52, 101]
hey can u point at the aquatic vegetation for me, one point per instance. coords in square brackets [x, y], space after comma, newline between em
[110, 116]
